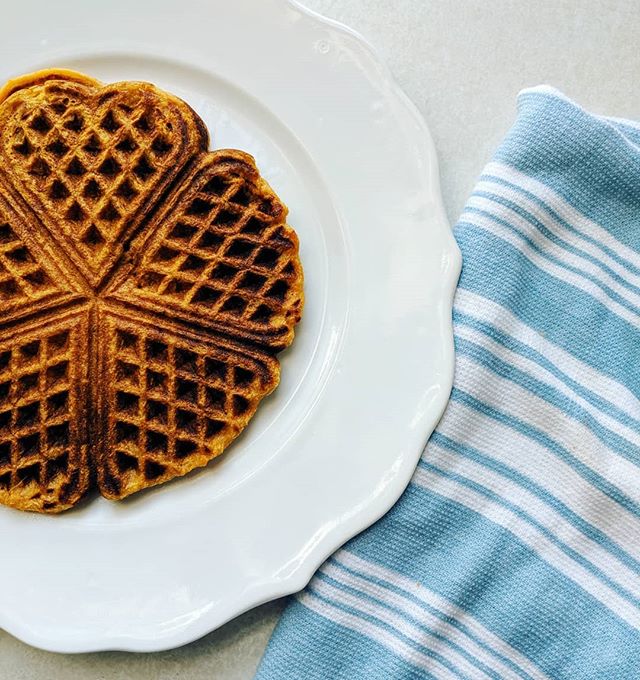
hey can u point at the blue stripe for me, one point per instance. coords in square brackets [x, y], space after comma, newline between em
[530, 519]
[488, 572]
[535, 434]
[583, 234]
[625, 128]
[295, 653]
[420, 625]
[595, 534]
[342, 606]
[528, 352]
[586, 162]
[572, 410]
[582, 273]
[519, 286]
[500, 201]
[387, 585]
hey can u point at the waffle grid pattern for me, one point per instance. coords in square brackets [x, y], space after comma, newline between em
[225, 251]
[89, 162]
[38, 416]
[173, 402]
[92, 172]
[22, 279]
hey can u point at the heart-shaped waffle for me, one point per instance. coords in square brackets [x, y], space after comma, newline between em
[146, 285]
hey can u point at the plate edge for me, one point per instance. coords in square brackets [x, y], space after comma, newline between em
[450, 271]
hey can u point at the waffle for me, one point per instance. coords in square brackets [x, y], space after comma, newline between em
[146, 287]
[223, 255]
[44, 464]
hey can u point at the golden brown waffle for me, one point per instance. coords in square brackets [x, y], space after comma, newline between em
[223, 255]
[44, 463]
[173, 400]
[90, 160]
[145, 287]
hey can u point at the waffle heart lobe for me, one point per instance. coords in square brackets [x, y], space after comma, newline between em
[90, 160]
[176, 265]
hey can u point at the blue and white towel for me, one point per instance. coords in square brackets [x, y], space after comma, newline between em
[515, 551]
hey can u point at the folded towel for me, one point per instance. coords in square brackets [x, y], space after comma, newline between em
[515, 551]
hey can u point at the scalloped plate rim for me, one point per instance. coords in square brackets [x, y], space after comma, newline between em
[259, 593]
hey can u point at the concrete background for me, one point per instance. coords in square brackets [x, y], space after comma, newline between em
[462, 62]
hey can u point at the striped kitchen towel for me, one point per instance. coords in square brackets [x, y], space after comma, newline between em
[515, 551]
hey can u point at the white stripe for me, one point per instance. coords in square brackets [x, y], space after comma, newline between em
[518, 402]
[492, 226]
[576, 437]
[444, 634]
[377, 633]
[532, 537]
[613, 460]
[534, 370]
[558, 251]
[401, 626]
[527, 501]
[534, 459]
[577, 371]
[448, 609]
[565, 210]
[546, 216]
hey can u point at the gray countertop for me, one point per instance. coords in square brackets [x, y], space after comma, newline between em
[462, 62]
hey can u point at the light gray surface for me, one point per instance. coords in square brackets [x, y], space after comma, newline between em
[462, 62]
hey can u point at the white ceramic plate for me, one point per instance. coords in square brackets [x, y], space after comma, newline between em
[363, 384]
